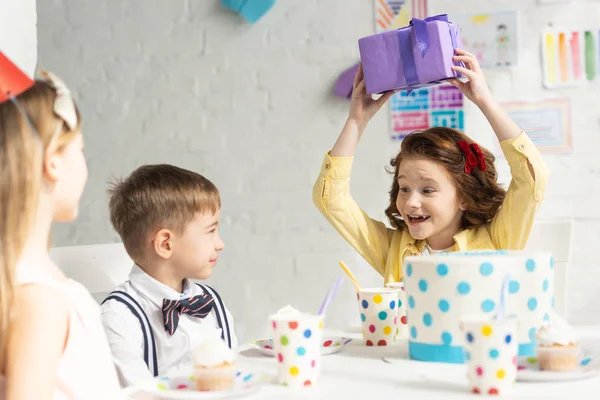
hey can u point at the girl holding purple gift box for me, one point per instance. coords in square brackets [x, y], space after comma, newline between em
[444, 195]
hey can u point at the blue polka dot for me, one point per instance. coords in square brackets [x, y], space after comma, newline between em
[463, 288]
[411, 302]
[382, 315]
[553, 301]
[444, 305]
[494, 353]
[409, 270]
[551, 262]
[399, 303]
[546, 317]
[486, 269]
[488, 305]
[308, 333]
[363, 317]
[545, 285]
[532, 334]
[427, 319]
[442, 270]
[301, 351]
[365, 304]
[393, 304]
[447, 338]
[508, 339]
[469, 337]
[513, 287]
[585, 361]
[532, 303]
[423, 285]
[413, 332]
[530, 265]
[467, 356]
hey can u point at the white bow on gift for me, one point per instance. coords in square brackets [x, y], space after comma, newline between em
[64, 107]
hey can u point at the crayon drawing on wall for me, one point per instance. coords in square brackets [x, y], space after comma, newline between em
[570, 57]
[426, 107]
[491, 37]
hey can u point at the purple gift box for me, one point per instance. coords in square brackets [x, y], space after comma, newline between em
[416, 56]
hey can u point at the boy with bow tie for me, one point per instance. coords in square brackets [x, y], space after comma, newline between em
[168, 220]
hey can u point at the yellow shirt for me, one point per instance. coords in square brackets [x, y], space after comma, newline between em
[385, 248]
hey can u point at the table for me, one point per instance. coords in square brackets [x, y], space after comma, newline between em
[359, 372]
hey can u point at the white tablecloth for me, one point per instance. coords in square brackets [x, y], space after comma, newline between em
[358, 372]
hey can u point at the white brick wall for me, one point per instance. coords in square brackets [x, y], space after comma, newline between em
[189, 83]
[18, 32]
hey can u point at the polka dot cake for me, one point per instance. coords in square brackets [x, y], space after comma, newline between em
[441, 288]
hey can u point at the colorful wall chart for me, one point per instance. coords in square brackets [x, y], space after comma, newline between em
[570, 57]
[440, 105]
[547, 123]
[491, 37]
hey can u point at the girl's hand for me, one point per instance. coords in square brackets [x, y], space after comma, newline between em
[476, 88]
[362, 106]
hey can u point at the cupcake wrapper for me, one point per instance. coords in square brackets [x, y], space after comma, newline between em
[216, 378]
[556, 358]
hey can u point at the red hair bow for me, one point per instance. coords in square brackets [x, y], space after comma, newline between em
[473, 156]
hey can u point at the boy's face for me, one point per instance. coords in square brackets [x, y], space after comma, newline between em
[195, 252]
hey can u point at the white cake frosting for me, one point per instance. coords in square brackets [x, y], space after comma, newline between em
[556, 331]
[288, 310]
[442, 288]
[213, 352]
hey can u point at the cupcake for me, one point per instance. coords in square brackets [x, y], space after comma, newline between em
[214, 367]
[558, 346]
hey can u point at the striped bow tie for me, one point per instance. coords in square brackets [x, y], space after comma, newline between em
[196, 306]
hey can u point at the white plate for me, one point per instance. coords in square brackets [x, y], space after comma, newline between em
[529, 370]
[181, 387]
[330, 345]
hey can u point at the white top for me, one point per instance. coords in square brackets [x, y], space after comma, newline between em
[125, 334]
[427, 250]
[85, 370]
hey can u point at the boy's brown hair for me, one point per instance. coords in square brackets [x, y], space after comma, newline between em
[478, 189]
[155, 197]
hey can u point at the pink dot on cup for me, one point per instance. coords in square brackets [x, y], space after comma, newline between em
[382, 343]
[313, 363]
[280, 357]
[515, 360]
[372, 328]
[182, 387]
[395, 320]
[274, 325]
[479, 371]
[268, 347]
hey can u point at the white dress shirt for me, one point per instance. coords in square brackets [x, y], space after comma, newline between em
[125, 335]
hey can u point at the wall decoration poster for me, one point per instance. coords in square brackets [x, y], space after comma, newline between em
[440, 105]
[394, 14]
[569, 57]
[547, 122]
[491, 37]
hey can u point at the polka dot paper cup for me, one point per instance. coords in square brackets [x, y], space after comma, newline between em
[297, 345]
[402, 327]
[491, 353]
[378, 310]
